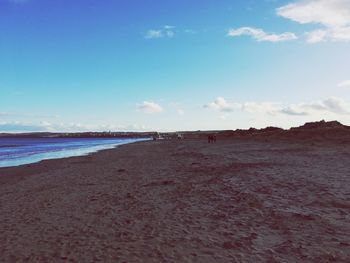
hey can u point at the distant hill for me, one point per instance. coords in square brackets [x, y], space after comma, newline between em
[321, 125]
[312, 131]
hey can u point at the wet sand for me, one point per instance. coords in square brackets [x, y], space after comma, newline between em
[181, 201]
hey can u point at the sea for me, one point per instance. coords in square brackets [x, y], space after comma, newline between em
[19, 151]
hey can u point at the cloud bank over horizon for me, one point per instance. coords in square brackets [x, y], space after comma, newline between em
[331, 105]
[149, 107]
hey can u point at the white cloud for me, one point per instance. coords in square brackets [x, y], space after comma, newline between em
[150, 34]
[345, 83]
[295, 110]
[336, 105]
[316, 36]
[260, 35]
[165, 31]
[332, 15]
[222, 105]
[332, 105]
[329, 34]
[149, 107]
[261, 107]
[339, 34]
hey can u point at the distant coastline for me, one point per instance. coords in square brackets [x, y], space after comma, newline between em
[78, 135]
[275, 132]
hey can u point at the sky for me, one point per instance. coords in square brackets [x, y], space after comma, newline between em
[142, 65]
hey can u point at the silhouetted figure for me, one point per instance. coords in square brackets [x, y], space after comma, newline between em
[211, 138]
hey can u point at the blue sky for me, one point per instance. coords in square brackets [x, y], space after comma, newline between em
[172, 65]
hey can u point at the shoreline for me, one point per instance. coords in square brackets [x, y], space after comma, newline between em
[59, 158]
[15, 174]
[48, 165]
[187, 200]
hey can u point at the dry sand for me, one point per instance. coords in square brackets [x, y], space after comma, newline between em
[181, 201]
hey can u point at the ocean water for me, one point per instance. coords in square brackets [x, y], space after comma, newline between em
[19, 151]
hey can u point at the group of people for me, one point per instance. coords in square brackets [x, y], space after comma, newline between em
[212, 138]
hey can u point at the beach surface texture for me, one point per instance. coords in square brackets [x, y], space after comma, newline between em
[181, 201]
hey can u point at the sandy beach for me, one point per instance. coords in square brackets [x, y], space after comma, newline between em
[181, 201]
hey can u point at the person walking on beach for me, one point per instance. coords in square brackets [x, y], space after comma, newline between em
[210, 138]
